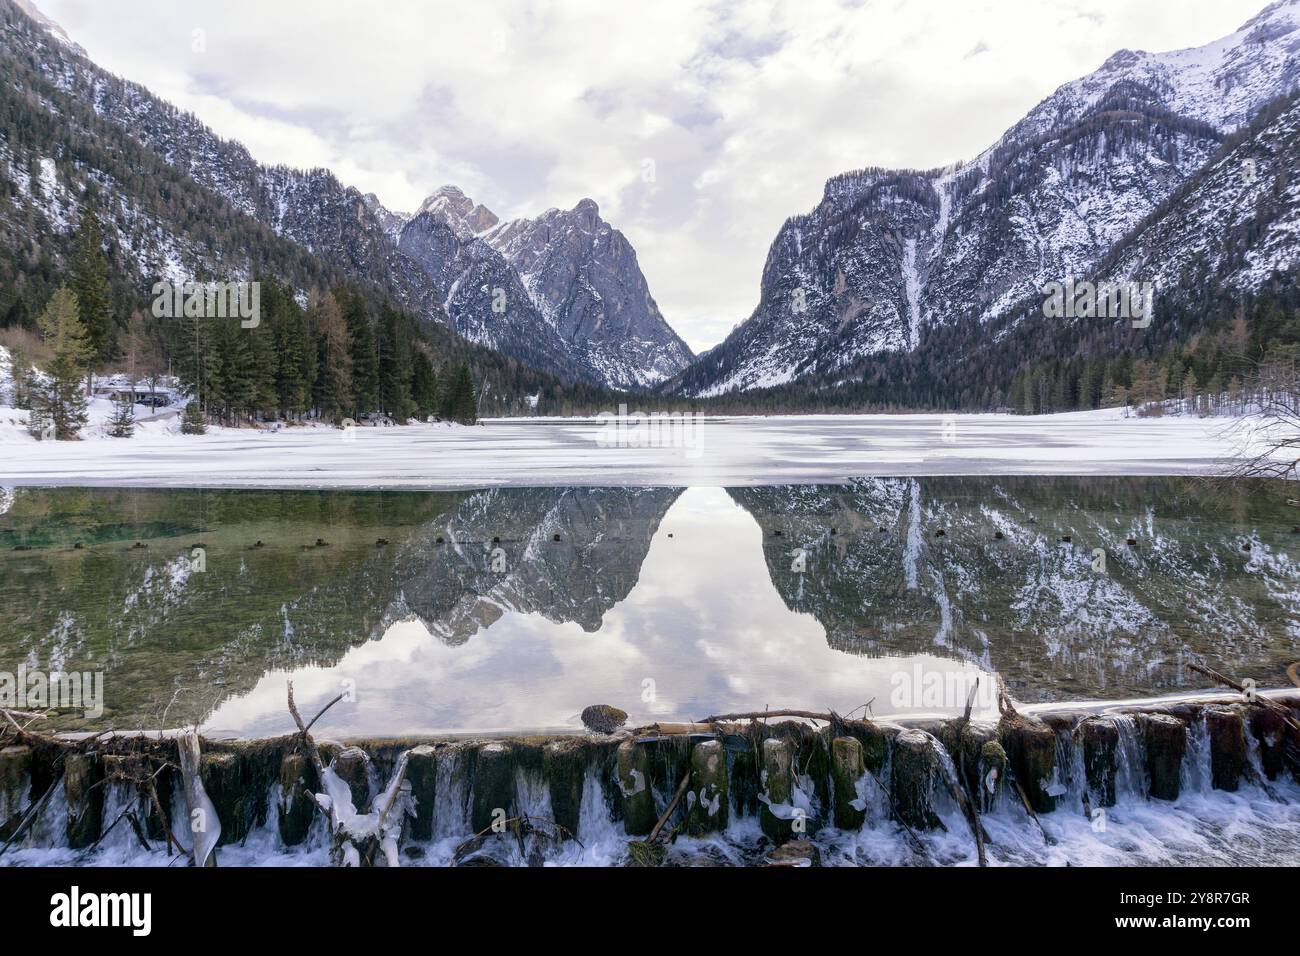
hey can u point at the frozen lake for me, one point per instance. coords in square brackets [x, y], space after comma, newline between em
[718, 452]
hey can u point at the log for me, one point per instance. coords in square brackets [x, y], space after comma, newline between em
[196, 800]
[764, 714]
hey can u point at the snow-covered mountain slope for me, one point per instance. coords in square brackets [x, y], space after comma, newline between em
[564, 288]
[1236, 222]
[56, 149]
[624, 345]
[888, 256]
[310, 208]
[483, 295]
[583, 276]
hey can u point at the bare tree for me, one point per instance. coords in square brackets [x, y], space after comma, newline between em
[1266, 443]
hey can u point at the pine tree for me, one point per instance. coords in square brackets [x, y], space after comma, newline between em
[459, 403]
[1190, 388]
[424, 386]
[394, 366]
[295, 350]
[89, 280]
[193, 420]
[122, 424]
[58, 404]
[1109, 399]
[20, 372]
[363, 360]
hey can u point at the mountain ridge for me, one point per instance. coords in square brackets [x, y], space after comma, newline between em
[889, 256]
[347, 229]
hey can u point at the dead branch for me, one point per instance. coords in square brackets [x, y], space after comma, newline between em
[672, 805]
[1283, 712]
[764, 714]
[162, 817]
[308, 743]
[322, 710]
[32, 815]
[1024, 799]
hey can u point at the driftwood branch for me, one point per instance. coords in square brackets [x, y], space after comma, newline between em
[672, 805]
[312, 753]
[1024, 799]
[318, 715]
[32, 815]
[763, 714]
[1271, 704]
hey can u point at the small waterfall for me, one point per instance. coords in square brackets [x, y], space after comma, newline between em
[533, 794]
[1196, 774]
[451, 802]
[845, 798]
[1131, 778]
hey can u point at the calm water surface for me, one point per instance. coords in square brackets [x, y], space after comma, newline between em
[463, 611]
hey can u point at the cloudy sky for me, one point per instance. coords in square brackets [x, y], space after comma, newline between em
[698, 127]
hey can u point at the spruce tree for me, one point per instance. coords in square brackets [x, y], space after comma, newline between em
[58, 403]
[363, 360]
[394, 366]
[459, 403]
[20, 373]
[122, 424]
[193, 420]
[89, 280]
[424, 386]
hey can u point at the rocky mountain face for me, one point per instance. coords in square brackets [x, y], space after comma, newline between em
[604, 328]
[483, 296]
[583, 276]
[311, 208]
[1236, 222]
[565, 285]
[57, 146]
[888, 257]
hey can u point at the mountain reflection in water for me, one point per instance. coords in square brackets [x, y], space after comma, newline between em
[512, 609]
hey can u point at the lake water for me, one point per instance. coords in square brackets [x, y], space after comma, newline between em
[512, 609]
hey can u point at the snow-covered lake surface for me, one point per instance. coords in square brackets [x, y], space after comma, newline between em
[726, 452]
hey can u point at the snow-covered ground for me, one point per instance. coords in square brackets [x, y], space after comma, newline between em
[585, 451]
[714, 452]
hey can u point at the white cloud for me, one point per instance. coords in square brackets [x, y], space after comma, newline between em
[745, 109]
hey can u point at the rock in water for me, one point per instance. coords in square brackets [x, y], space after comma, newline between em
[799, 853]
[603, 719]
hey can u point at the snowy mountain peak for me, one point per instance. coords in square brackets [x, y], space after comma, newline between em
[1222, 83]
[570, 282]
[584, 278]
[462, 213]
[588, 213]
